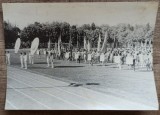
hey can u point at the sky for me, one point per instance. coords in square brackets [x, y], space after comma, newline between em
[111, 13]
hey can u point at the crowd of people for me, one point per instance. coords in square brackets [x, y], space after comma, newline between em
[132, 57]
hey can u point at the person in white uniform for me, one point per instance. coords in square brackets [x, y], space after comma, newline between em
[76, 56]
[151, 60]
[129, 60]
[21, 59]
[48, 58]
[38, 51]
[141, 60]
[119, 61]
[85, 56]
[30, 58]
[102, 56]
[44, 52]
[52, 60]
[8, 62]
[89, 57]
[25, 60]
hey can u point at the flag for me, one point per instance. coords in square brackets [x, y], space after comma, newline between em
[49, 44]
[59, 47]
[85, 43]
[104, 42]
[99, 43]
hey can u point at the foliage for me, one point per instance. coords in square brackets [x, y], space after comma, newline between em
[118, 35]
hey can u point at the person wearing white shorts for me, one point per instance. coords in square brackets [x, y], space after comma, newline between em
[25, 60]
[21, 60]
[89, 57]
[8, 58]
[102, 56]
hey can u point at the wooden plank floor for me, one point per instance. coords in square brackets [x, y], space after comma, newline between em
[26, 90]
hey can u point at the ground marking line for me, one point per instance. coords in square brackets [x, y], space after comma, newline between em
[30, 97]
[46, 93]
[11, 104]
[71, 93]
[82, 96]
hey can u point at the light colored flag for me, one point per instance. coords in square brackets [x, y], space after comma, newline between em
[49, 44]
[34, 46]
[17, 45]
[89, 45]
[104, 42]
[59, 47]
[99, 43]
[85, 43]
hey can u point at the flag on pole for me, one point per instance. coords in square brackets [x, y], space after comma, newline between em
[99, 43]
[49, 44]
[89, 45]
[85, 43]
[59, 47]
[104, 42]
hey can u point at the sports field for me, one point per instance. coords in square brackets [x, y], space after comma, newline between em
[128, 86]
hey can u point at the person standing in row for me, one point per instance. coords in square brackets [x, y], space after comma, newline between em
[48, 54]
[102, 56]
[30, 58]
[8, 62]
[79, 56]
[25, 60]
[52, 60]
[85, 56]
[89, 57]
[21, 59]
[119, 61]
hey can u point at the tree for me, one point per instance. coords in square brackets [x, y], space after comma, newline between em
[10, 34]
[104, 46]
[73, 35]
[81, 35]
[65, 32]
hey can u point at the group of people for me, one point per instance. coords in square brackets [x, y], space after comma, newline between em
[133, 57]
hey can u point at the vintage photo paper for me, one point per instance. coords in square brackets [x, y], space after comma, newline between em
[80, 56]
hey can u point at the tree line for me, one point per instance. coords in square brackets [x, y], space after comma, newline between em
[120, 35]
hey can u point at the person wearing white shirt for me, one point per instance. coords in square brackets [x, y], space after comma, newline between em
[76, 56]
[52, 60]
[25, 60]
[119, 61]
[38, 52]
[141, 60]
[129, 60]
[102, 56]
[151, 60]
[8, 58]
[48, 58]
[85, 56]
[89, 57]
[21, 59]
[30, 58]
[44, 52]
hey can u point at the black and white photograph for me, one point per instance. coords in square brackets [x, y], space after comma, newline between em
[80, 56]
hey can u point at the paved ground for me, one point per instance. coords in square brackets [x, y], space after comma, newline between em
[28, 90]
[125, 85]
